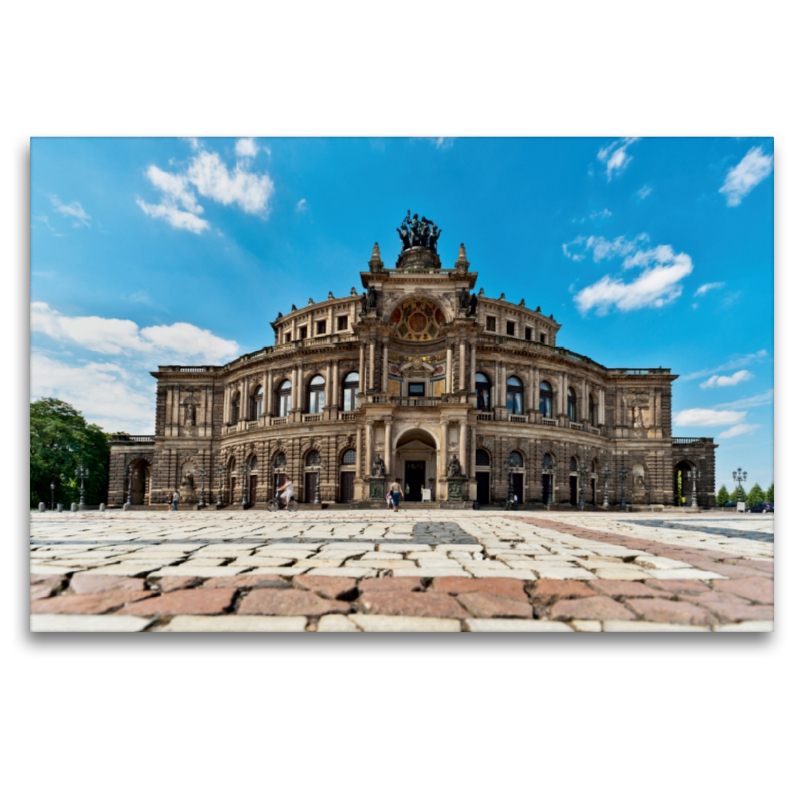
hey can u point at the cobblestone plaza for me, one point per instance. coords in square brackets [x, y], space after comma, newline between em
[420, 571]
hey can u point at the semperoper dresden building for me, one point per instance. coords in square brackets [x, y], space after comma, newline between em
[462, 396]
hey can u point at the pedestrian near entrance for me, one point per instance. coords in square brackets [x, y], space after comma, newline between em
[176, 496]
[397, 493]
[388, 500]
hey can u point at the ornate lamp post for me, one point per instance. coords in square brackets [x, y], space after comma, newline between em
[739, 477]
[551, 471]
[695, 473]
[245, 472]
[202, 472]
[220, 470]
[509, 465]
[320, 466]
[52, 497]
[583, 472]
[606, 473]
[82, 473]
[623, 474]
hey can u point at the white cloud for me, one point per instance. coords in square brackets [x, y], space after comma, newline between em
[180, 340]
[737, 430]
[604, 214]
[73, 210]
[249, 190]
[644, 191]
[615, 156]
[708, 417]
[246, 148]
[603, 248]
[764, 399]
[746, 175]
[302, 205]
[657, 285]
[727, 380]
[175, 186]
[707, 287]
[106, 394]
[734, 363]
[174, 216]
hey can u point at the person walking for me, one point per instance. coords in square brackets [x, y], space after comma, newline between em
[397, 493]
[388, 499]
[176, 496]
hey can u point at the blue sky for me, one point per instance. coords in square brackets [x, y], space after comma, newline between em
[649, 252]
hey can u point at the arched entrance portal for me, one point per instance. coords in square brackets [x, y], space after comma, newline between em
[415, 463]
[682, 483]
[140, 483]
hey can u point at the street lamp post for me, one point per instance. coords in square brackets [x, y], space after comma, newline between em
[739, 477]
[551, 471]
[583, 472]
[322, 464]
[82, 473]
[52, 497]
[245, 470]
[606, 473]
[509, 465]
[623, 474]
[202, 472]
[695, 475]
[220, 470]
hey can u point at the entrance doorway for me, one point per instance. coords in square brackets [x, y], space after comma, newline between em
[253, 488]
[310, 487]
[482, 479]
[347, 482]
[573, 489]
[546, 479]
[517, 481]
[415, 480]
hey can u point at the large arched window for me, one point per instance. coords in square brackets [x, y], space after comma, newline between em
[592, 411]
[546, 400]
[483, 391]
[573, 464]
[235, 402]
[313, 458]
[572, 405]
[350, 388]
[256, 403]
[348, 457]
[284, 399]
[279, 462]
[482, 458]
[515, 460]
[514, 396]
[547, 461]
[316, 394]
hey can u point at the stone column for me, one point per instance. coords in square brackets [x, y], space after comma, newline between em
[300, 399]
[537, 383]
[387, 448]
[502, 384]
[371, 381]
[361, 381]
[294, 329]
[471, 386]
[327, 384]
[601, 412]
[584, 400]
[335, 385]
[294, 388]
[462, 445]
[359, 472]
[370, 430]
[385, 372]
[268, 392]
[448, 382]
[226, 405]
[462, 364]
[442, 465]
[495, 385]
[330, 321]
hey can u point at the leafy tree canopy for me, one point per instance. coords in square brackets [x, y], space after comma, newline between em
[60, 440]
[771, 493]
[755, 495]
[722, 496]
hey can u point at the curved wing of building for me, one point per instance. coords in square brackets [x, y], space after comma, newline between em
[462, 397]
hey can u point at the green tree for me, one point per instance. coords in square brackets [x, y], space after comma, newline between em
[755, 495]
[60, 440]
[722, 496]
[771, 493]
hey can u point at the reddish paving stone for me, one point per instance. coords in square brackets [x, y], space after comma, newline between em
[732, 571]
[184, 601]
[673, 587]
[548, 589]
[671, 611]
[627, 589]
[761, 590]
[730, 608]
[290, 603]
[411, 604]
[172, 583]
[45, 586]
[86, 603]
[391, 585]
[326, 585]
[484, 604]
[598, 607]
[86, 583]
[505, 587]
[247, 582]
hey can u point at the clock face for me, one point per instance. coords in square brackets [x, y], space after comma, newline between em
[418, 320]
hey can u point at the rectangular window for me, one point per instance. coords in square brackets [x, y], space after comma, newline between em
[303, 332]
[528, 333]
[341, 323]
[510, 328]
[491, 323]
[287, 337]
[543, 338]
[416, 390]
[322, 326]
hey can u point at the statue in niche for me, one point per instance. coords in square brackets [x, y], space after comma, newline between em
[639, 485]
[372, 298]
[187, 485]
[463, 299]
[191, 416]
[473, 306]
[363, 303]
[378, 467]
[454, 467]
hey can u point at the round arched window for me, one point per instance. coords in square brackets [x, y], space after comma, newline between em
[547, 461]
[546, 400]
[515, 460]
[514, 396]
[350, 389]
[572, 405]
[483, 392]
[313, 458]
[279, 462]
[349, 457]
[284, 399]
[573, 464]
[482, 458]
[256, 403]
[316, 394]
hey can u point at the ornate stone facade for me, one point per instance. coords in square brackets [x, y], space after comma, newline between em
[399, 380]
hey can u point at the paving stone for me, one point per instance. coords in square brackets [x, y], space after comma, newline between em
[44, 569]
[598, 607]
[547, 590]
[86, 603]
[562, 573]
[672, 611]
[679, 574]
[45, 585]
[682, 587]
[421, 572]
[394, 584]
[343, 572]
[86, 623]
[283, 572]
[197, 572]
[336, 623]
[732, 608]
[411, 604]
[290, 602]
[505, 587]
[760, 590]
[172, 584]
[484, 604]
[377, 623]
[88, 583]
[623, 572]
[638, 626]
[627, 589]
[659, 562]
[747, 627]
[327, 586]
[129, 569]
[247, 581]
[234, 624]
[586, 625]
[184, 601]
[515, 626]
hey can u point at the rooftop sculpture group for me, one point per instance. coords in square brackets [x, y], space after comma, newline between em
[418, 232]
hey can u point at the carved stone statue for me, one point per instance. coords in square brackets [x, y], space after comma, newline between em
[378, 467]
[416, 232]
[191, 417]
[473, 306]
[454, 467]
[463, 299]
[363, 303]
[372, 298]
